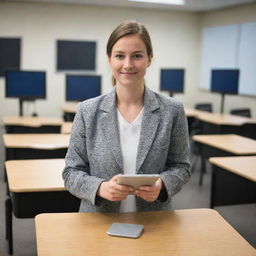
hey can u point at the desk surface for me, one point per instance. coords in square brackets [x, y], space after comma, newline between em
[224, 119]
[32, 121]
[232, 143]
[244, 166]
[36, 141]
[66, 127]
[182, 232]
[191, 112]
[35, 175]
[69, 107]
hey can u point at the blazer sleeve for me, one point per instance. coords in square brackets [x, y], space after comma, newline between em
[76, 173]
[177, 171]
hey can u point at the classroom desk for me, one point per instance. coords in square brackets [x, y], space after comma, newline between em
[36, 186]
[69, 110]
[233, 180]
[66, 127]
[35, 146]
[214, 123]
[28, 124]
[190, 232]
[223, 145]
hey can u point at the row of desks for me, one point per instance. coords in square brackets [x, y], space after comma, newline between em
[47, 197]
[27, 124]
[28, 197]
[177, 232]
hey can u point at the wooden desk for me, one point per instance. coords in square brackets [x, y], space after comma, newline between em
[27, 124]
[35, 146]
[223, 145]
[229, 143]
[36, 186]
[214, 123]
[233, 180]
[66, 127]
[180, 233]
[69, 110]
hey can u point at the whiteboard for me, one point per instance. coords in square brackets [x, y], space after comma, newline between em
[247, 59]
[232, 46]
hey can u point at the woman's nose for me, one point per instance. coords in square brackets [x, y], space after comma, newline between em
[128, 63]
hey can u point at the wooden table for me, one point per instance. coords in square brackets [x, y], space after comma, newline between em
[66, 127]
[196, 232]
[233, 180]
[35, 146]
[223, 145]
[36, 186]
[28, 124]
[214, 123]
[69, 110]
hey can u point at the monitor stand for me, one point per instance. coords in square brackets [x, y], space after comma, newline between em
[222, 103]
[21, 101]
[21, 106]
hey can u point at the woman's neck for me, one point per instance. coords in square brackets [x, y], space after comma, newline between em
[129, 96]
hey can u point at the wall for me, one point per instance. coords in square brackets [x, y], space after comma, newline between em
[175, 35]
[236, 15]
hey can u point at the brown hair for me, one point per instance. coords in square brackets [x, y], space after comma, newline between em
[129, 28]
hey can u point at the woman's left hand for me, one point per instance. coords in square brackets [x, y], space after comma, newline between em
[150, 193]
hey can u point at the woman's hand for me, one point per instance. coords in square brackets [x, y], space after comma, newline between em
[112, 191]
[150, 193]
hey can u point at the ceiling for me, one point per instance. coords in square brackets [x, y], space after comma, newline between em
[191, 5]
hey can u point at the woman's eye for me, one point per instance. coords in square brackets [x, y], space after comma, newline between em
[119, 56]
[137, 56]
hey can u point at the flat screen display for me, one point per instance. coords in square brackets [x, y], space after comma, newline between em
[76, 55]
[225, 81]
[25, 84]
[82, 87]
[172, 80]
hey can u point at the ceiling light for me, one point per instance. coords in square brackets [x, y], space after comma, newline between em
[171, 2]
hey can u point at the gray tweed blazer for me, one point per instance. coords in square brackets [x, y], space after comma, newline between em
[94, 154]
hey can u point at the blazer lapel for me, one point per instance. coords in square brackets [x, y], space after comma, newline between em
[110, 127]
[149, 126]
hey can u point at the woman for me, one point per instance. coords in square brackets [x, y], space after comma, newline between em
[130, 130]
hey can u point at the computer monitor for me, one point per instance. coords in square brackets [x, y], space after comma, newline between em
[172, 80]
[25, 85]
[82, 87]
[224, 81]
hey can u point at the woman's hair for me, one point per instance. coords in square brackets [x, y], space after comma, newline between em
[129, 28]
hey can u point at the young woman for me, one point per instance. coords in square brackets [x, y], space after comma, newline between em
[131, 130]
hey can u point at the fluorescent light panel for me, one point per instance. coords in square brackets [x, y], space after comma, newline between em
[171, 2]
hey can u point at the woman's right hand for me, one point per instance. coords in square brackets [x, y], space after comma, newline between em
[112, 191]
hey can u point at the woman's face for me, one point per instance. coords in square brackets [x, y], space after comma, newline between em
[129, 61]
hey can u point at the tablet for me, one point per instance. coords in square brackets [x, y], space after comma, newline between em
[125, 230]
[137, 180]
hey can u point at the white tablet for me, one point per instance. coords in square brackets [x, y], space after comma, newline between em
[125, 230]
[138, 180]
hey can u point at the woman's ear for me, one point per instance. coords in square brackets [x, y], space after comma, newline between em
[150, 60]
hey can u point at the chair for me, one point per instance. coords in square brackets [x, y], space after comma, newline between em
[204, 106]
[241, 112]
[197, 129]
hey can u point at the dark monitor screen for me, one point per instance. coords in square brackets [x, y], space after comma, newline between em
[76, 55]
[25, 84]
[82, 87]
[172, 80]
[225, 81]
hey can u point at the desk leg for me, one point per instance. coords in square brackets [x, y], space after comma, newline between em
[202, 170]
[8, 224]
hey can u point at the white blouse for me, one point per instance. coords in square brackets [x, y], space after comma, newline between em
[129, 139]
